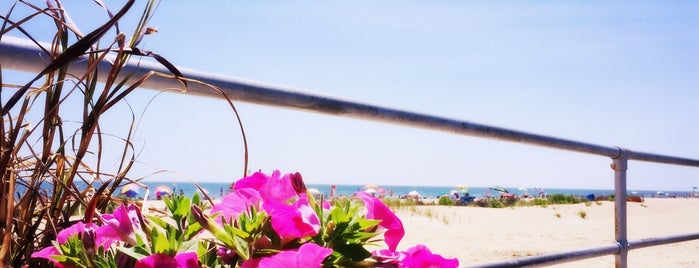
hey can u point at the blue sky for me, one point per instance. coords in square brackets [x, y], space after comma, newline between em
[615, 74]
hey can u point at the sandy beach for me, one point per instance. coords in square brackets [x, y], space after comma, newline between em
[484, 235]
[477, 235]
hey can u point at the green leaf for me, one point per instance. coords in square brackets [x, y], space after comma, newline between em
[157, 220]
[161, 244]
[192, 229]
[182, 209]
[138, 252]
[367, 223]
[356, 252]
[196, 199]
[188, 246]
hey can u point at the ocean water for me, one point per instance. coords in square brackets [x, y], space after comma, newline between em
[217, 190]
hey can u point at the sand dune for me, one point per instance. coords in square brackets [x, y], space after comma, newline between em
[484, 235]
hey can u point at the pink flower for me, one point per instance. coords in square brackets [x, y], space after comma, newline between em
[297, 183]
[385, 256]
[308, 255]
[236, 202]
[46, 253]
[377, 210]
[293, 221]
[182, 260]
[125, 223]
[276, 187]
[326, 204]
[100, 238]
[421, 256]
[417, 256]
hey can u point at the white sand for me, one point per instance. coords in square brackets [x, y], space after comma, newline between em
[484, 235]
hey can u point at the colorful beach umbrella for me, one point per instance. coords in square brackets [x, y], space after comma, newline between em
[130, 190]
[313, 191]
[162, 190]
[499, 189]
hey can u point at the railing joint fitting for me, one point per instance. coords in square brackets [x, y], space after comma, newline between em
[623, 153]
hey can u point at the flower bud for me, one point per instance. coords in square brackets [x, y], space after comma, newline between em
[125, 261]
[297, 183]
[200, 218]
[227, 256]
[88, 239]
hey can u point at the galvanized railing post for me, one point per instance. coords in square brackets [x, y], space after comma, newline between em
[620, 164]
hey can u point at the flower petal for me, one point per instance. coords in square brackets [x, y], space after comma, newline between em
[308, 255]
[421, 256]
[46, 253]
[276, 187]
[296, 220]
[182, 260]
[126, 222]
[236, 202]
[378, 210]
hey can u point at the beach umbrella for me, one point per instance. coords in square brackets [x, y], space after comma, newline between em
[499, 189]
[314, 191]
[381, 191]
[461, 187]
[370, 190]
[523, 189]
[130, 190]
[413, 193]
[162, 190]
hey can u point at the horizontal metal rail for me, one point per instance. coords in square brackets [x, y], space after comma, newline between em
[575, 255]
[556, 258]
[23, 55]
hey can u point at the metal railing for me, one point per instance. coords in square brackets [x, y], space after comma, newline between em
[23, 55]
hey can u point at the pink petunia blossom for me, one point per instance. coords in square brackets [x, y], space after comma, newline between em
[75, 229]
[293, 221]
[378, 210]
[308, 255]
[46, 253]
[276, 187]
[421, 256]
[236, 202]
[385, 256]
[125, 223]
[182, 260]
[326, 204]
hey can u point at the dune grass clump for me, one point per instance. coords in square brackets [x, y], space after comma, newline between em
[445, 220]
[446, 201]
[565, 199]
[53, 148]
